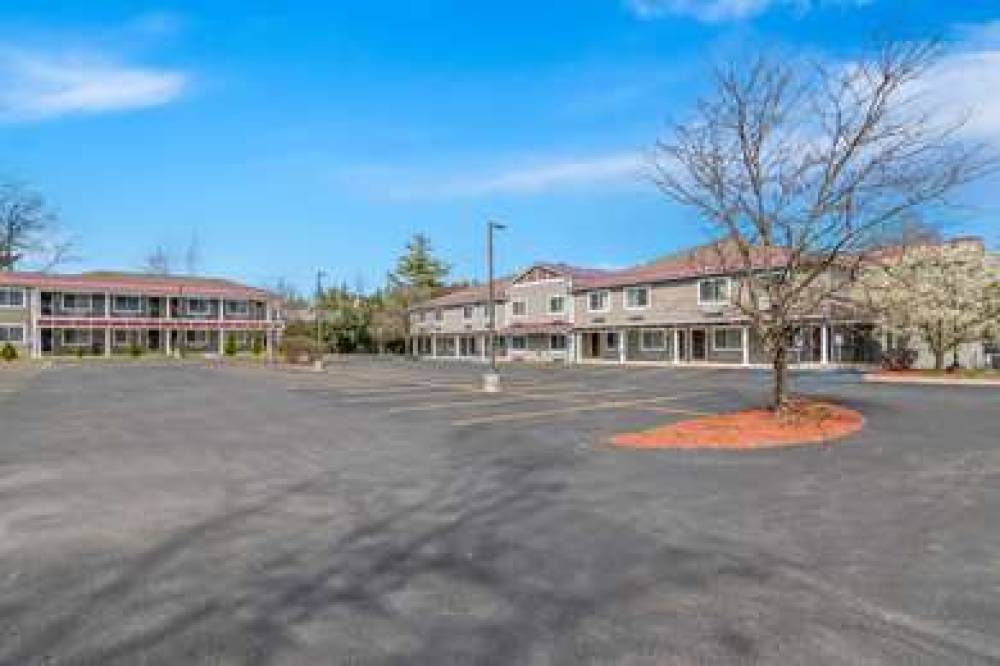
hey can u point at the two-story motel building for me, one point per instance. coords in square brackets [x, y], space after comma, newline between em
[677, 310]
[102, 313]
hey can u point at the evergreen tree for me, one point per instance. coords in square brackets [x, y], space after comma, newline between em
[418, 267]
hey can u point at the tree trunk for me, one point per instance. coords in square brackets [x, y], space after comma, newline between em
[780, 364]
[938, 358]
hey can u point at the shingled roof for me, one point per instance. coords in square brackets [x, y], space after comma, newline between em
[160, 285]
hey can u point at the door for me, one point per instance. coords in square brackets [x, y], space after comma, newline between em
[682, 345]
[595, 345]
[699, 338]
[153, 340]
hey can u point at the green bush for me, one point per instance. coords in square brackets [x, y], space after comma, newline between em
[134, 350]
[80, 352]
[299, 348]
[8, 352]
[230, 347]
[258, 345]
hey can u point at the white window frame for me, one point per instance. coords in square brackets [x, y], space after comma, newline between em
[11, 327]
[468, 312]
[725, 299]
[12, 291]
[565, 342]
[115, 308]
[82, 343]
[513, 307]
[114, 337]
[618, 340]
[562, 304]
[243, 309]
[718, 329]
[77, 308]
[606, 294]
[663, 338]
[439, 315]
[649, 297]
[516, 347]
[193, 311]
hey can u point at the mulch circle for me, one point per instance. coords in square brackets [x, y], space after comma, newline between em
[804, 422]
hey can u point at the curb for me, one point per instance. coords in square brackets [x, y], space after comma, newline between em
[932, 381]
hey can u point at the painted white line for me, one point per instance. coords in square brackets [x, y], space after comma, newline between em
[521, 396]
[572, 409]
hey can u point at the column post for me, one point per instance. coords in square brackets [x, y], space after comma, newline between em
[677, 346]
[222, 341]
[107, 341]
[36, 311]
[746, 345]
[458, 340]
[622, 345]
[824, 344]
[434, 346]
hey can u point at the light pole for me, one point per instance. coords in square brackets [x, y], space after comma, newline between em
[320, 274]
[491, 381]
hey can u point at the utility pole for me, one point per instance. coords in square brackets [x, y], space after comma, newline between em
[320, 274]
[491, 381]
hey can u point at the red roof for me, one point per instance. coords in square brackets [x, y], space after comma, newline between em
[159, 285]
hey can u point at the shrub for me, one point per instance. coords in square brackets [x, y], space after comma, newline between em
[80, 352]
[9, 352]
[299, 349]
[230, 347]
[258, 345]
[900, 358]
[134, 350]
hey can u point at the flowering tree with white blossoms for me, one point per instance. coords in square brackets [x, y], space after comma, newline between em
[944, 294]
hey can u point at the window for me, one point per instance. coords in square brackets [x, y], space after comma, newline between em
[199, 306]
[76, 337]
[557, 342]
[611, 340]
[637, 298]
[468, 311]
[557, 304]
[598, 301]
[727, 339]
[713, 290]
[127, 304]
[238, 307]
[439, 315]
[422, 316]
[518, 308]
[197, 338]
[654, 340]
[518, 342]
[11, 298]
[76, 302]
[10, 333]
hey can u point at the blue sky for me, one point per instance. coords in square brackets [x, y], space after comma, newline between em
[295, 135]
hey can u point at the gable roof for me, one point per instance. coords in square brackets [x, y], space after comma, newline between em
[160, 285]
[466, 295]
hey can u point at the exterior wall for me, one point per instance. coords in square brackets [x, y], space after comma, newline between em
[538, 349]
[453, 321]
[536, 297]
[669, 303]
[20, 317]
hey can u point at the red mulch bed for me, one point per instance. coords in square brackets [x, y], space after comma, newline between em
[804, 422]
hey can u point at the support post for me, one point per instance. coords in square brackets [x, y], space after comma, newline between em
[622, 346]
[458, 343]
[107, 341]
[824, 344]
[222, 341]
[746, 345]
[677, 345]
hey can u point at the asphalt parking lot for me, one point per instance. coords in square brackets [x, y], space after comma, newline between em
[391, 513]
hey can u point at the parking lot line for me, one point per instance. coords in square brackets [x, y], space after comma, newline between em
[572, 409]
[571, 396]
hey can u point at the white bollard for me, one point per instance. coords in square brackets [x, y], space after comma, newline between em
[491, 382]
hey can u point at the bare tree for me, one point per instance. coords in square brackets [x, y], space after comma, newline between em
[799, 168]
[29, 230]
[157, 262]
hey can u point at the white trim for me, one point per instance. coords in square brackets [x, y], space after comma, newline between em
[76, 308]
[607, 302]
[15, 290]
[10, 327]
[515, 301]
[472, 312]
[618, 340]
[729, 290]
[649, 297]
[565, 339]
[727, 328]
[524, 341]
[642, 339]
[746, 345]
[200, 344]
[196, 299]
[563, 298]
[245, 307]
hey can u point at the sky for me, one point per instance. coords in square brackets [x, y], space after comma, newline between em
[287, 137]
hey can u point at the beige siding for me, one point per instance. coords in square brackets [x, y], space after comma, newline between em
[669, 303]
[536, 296]
[453, 321]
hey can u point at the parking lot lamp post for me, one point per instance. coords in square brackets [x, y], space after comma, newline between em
[320, 274]
[491, 381]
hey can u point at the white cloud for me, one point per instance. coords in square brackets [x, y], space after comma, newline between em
[965, 84]
[537, 177]
[36, 86]
[712, 11]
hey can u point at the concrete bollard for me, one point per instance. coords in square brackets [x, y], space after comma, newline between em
[491, 382]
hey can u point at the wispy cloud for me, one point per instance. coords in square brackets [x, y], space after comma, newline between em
[40, 86]
[712, 11]
[536, 177]
[964, 84]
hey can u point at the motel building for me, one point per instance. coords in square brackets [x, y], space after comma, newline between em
[107, 313]
[676, 311]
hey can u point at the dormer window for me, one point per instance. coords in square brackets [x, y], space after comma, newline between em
[713, 291]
